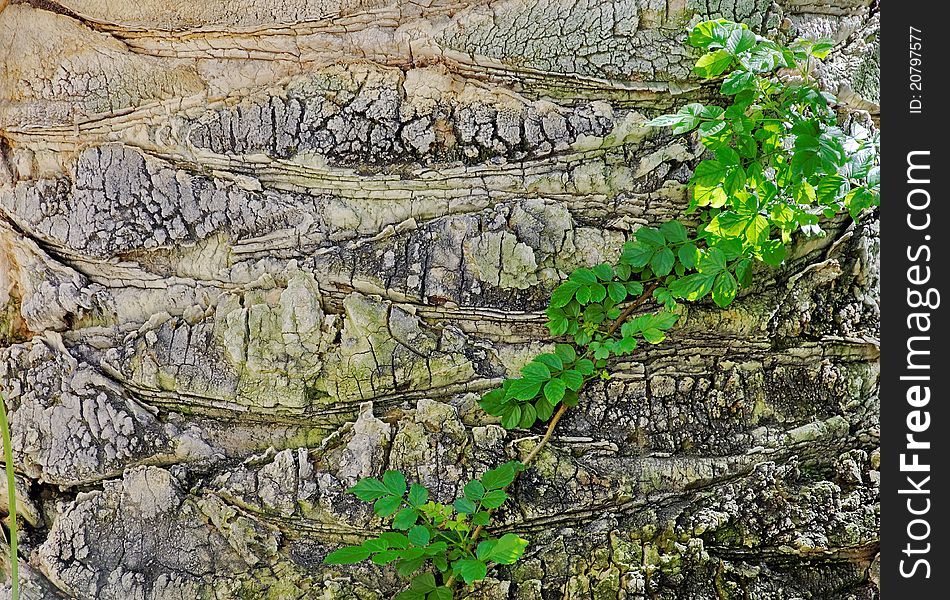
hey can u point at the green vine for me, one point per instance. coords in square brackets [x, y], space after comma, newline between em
[777, 162]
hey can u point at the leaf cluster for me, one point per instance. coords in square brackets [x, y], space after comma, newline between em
[430, 533]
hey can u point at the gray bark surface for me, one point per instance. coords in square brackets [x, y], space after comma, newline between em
[253, 251]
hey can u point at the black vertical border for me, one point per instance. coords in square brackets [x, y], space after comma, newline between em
[904, 131]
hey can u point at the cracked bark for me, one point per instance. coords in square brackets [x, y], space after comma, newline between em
[251, 252]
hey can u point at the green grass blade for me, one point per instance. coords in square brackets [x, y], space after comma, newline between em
[11, 496]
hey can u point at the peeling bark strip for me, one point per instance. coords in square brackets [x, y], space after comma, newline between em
[251, 252]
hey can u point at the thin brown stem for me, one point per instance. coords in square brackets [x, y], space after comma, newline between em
[647, 292]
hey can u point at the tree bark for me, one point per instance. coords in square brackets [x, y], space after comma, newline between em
[253, 251]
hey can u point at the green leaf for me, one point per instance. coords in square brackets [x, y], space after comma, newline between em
[464, 506]
[572, 379]
[651, 237]
[713, 63]
[482, 518]
[604, 272]
[566, 352]
[737, 81]
[494, 499]
[405, 519]
[501, 476]
[528, 416]
[470, 570]
[564, 293]
[616, 291]
[709, 173]
[674, 231]
[583, 276]
[523, 389]
[492, 403]
[713, 196]
[395, 539]
[688, 255]
[535, 372]
[407, 566]
[554, 391]
[662, 261]
[551, 361]
[375, 545]
[395, 482]
[724, 289]
[689, 118]
[369, 489]
[583, 294]
[423, 583]
[739, 41]
[543, 409]
[409, 594]
[712, 262]
[634, 288]
[821, 48]
[585, 366]
[636, 254]
[385, 557]
[387, 505]
[419, 535]
[507, 550]
[440, 593]
[347, 555]
[512, 416]
[598, 292]
[474, 490]
[693, 287]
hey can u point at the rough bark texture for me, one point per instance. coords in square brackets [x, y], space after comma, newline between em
[254, 250]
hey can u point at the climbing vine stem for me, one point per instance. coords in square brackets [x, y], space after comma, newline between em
[775, 162]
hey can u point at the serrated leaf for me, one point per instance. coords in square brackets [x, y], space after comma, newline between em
[564, 293]
[604, 272]
[440, 593]
[737, 81]
[551, 361]
[554, 391]
[418, 494]
[395, 539]
[712, 261]
[598, 292]
[674, 231]
[369, 489]
[652, 335]
[535, 371]
[724, 289]
[713, 196]
[709, 173]
[419, 535]
[494, 499]
[512, 415]
[692, 287]
[405, 519]
[347, 555]
[523, 389]
[501, 476]
[507, 550]
[407, 566]
[482, 518]
[423, 583]
[528, 416]
[583, 294]
[395, 482]
[583, 276]
[585, 366]
[409, 594]
[387, 505]
[662, 262]
[634, 288]
[713, 63]
[385, 557]
[616, 291]
[572, 379]
[566, 352]
[543, 409]
[651, 237]
[636, 254]
[470, 570]
[739, 41]
[464, 506]
[688, 255]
